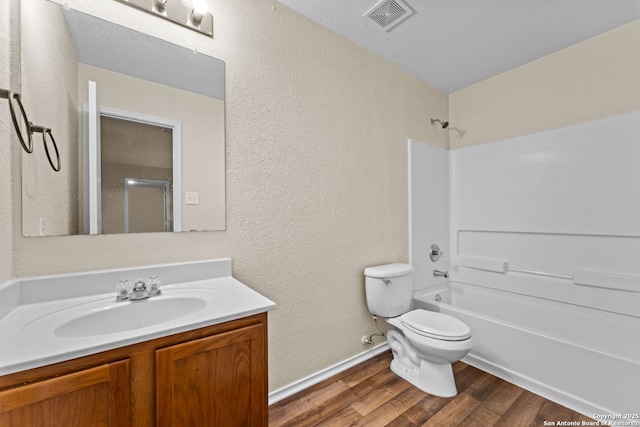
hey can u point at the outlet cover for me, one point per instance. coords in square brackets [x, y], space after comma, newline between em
[191, 198]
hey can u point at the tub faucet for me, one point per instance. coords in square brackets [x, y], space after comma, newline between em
[438, 273]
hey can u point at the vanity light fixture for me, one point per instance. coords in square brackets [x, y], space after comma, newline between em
[192, 14]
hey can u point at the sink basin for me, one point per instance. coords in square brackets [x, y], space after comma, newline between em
[104, 316]
[130, 315]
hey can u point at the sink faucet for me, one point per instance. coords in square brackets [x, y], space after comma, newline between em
[139, 291]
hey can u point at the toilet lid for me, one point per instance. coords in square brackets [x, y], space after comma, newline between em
[436, 325]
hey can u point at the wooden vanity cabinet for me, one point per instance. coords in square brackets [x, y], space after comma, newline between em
[213, 376]
[213, 381]
[92, 397]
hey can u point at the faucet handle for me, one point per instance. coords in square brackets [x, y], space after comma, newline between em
[435, 253]
[123, 289]
[154, 286]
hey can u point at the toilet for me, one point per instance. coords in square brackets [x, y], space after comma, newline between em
[424, 343]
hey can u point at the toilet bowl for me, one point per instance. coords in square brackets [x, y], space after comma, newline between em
[423, 343]
[424, 359]
[437, 336]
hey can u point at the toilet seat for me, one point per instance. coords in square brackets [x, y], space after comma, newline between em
[435, 325]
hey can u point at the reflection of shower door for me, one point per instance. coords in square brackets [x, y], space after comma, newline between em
[146, 205]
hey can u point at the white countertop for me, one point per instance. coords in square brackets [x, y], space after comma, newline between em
[27, 338]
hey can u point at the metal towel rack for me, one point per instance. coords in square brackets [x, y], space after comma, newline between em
[27, 140]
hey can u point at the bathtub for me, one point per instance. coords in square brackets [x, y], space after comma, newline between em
[587, 360]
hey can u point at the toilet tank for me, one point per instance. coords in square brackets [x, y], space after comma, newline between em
[389, 289]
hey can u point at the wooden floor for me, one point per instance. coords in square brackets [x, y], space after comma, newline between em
[371, 395]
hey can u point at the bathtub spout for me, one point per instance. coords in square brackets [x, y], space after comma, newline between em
[438, 273]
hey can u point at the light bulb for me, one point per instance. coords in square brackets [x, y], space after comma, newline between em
[200, 6]
[160, 4]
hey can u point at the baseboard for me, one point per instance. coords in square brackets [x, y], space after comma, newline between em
[304, 383]
[551, 393]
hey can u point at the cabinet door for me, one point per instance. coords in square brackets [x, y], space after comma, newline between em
[214, 381]
[93, 397]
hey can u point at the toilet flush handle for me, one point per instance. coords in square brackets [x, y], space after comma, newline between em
[387, 281]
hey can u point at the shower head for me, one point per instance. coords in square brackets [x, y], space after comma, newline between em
[443, 124]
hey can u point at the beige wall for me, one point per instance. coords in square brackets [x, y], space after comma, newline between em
[48, 78]
[597, 78]
[9, 144]
[316, 160]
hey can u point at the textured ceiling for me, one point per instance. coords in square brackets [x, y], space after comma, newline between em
[452, 44]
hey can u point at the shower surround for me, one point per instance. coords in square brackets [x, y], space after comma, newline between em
[547, 220]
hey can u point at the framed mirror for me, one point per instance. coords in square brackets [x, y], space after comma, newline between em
[139, 123]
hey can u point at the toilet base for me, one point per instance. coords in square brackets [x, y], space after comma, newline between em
[433, 378]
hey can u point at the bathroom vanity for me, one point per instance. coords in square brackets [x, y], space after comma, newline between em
[210, 376]
[207, 367]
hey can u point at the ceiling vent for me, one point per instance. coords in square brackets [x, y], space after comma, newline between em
[389, 13]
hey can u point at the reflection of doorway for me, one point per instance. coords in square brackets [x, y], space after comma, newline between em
[119, 144]
[144, 151]
[146, 205]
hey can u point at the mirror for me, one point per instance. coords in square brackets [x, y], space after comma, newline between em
[139, 124]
